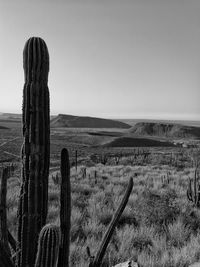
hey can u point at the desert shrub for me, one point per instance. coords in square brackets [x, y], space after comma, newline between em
[132, 241]
[123, 243]
[191, 218]
[77, 232]
[53, 211]
[78, 254]
[12, 199]
[12, 219]
[80, 201]
[178, 233]
[78, 220]
[53, 196]
[153, 208]
[128, 218]
[104, 216]
[13, 183]
[83, 189]
[142, 242]
[118, 189]
[188, 254]
[93, 229]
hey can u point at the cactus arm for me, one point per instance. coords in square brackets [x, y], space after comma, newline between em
[65, 209]
[106, 239]
[48, 246]
[3, 216]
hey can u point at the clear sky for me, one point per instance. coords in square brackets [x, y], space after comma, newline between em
[108, 58]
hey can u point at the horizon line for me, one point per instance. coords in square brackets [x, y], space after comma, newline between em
[128, 117]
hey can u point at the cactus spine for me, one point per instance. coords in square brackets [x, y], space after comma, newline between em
[35, 150]
[65, 209]
[48, 246]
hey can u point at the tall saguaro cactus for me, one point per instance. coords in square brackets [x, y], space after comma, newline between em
[35, 150]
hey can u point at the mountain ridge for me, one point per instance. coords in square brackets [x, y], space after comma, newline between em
[164, 130]
[71, 121]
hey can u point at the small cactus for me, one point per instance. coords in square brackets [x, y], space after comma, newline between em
[193, 192]
[48, 246]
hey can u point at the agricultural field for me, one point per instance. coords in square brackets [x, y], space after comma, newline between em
[159, 226]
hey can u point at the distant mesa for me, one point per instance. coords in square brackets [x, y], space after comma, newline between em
[71, 121]
[164, 130]
[3, 128]
[137, 142]
[10, 116]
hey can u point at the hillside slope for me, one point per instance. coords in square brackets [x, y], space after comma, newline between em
[164, 130]
[137, 142]
[86, 122]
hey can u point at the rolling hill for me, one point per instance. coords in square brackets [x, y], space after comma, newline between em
[71, 121]
[164, 130]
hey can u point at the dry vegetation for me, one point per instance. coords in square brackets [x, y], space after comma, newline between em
[159, 226]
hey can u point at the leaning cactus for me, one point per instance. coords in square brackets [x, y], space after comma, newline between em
[35, 150]
[97, 260]
[65, 209]
[48, 246]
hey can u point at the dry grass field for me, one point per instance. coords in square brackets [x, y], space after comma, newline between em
[159, 226]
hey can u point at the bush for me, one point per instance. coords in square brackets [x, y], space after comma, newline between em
[191, 218]
[178, 233]
[157, 209]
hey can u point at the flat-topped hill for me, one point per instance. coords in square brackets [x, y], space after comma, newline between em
[137, 142]
[3, 128]
[71, 121]
[164, 130]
